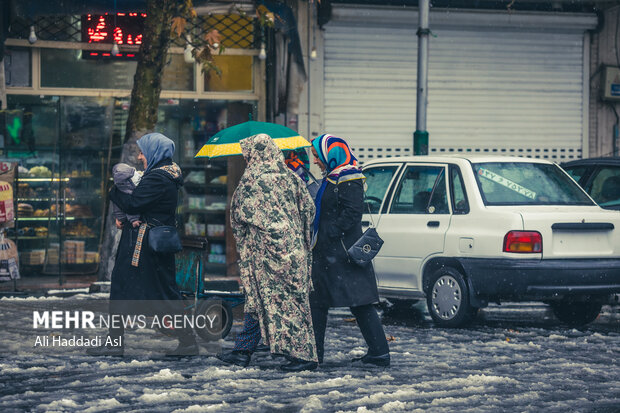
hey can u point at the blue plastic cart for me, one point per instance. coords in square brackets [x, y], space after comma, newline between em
[216, 306]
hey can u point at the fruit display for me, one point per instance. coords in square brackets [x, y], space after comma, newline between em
[40, 172]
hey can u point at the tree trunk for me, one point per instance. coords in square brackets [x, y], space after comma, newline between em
[142, 117]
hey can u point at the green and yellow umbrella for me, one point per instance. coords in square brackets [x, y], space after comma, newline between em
[226, 141]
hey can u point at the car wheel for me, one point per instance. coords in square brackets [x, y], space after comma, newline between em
[447, 298]
[218, 319]
[576, 313]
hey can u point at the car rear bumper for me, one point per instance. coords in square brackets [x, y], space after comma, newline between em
[507, 278]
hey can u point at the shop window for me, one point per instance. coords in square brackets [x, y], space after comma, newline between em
[207, 182]
[79, 73]
[235, 30]
[236, 74]
[100, 74]
[62, 153]
[40, 124]
[17, 68]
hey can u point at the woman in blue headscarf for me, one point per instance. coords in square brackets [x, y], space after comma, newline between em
[141, 275]
[339, 282]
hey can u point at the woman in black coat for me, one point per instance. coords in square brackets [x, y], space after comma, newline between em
[144, 281]
[339, 282]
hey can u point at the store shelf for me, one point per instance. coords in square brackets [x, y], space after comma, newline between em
[43, 179]
[47, 199]
[52, 218]
[56, 237]
[204, 187]
[66, 205]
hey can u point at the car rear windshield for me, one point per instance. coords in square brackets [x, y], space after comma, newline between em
[524, 183]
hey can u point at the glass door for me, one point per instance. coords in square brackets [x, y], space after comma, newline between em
[86, 130]
[35, 147]
[63, 151]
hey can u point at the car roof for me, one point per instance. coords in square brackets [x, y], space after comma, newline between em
[452, 158]
[593, 161]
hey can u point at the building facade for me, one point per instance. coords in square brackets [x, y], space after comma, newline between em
[502, 81]
[70, 95]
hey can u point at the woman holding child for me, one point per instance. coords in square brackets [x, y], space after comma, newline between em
[140, 274]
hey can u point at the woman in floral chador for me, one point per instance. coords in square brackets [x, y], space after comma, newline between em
[271, 218]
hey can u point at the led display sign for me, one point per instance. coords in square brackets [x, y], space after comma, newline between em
[119, 28]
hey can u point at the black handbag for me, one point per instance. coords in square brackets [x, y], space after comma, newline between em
[366, 247]
[164, 239]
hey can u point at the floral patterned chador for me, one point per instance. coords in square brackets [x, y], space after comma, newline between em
[271, 217]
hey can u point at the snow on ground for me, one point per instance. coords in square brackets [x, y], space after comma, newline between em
[515, 358]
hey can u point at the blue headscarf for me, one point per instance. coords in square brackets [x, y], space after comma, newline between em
[155, 147]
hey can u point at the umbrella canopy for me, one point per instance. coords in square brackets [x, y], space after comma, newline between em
[226, 141]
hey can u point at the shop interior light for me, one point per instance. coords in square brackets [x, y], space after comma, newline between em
[32, 38]
[262, 55]
[187, 52]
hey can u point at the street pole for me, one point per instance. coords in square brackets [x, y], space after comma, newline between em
[420, 136]
[2, 86]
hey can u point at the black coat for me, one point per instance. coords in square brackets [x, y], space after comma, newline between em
[337, 281]
[155, 199]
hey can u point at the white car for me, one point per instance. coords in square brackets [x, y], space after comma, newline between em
[463, 231]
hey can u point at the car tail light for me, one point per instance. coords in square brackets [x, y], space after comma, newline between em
[523, 242]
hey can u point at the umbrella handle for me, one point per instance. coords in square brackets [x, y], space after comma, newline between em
[309, 174]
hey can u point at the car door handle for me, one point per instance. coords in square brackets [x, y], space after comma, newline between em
[432, 224]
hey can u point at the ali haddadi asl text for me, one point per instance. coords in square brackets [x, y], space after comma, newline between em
[76, 341]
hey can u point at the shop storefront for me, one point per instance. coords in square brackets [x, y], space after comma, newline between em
[71, 107]
[512, 83]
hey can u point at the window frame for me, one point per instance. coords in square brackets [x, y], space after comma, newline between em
[390, 190]
[387, 208]
[258, 72]
[459, 174]
[487, 203]
[594, 173]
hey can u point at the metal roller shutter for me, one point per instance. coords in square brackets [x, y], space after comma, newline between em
[491, 89]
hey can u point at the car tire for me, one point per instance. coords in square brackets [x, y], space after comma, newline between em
[447, 298]
[220, 312]
[576, 313]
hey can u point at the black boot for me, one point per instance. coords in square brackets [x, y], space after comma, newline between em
[296, 365]
[185, 348]
[236, 357]
[380, 361]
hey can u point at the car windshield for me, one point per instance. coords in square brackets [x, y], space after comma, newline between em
[524, 183]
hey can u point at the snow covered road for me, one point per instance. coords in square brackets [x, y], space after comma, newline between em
[515, 358]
